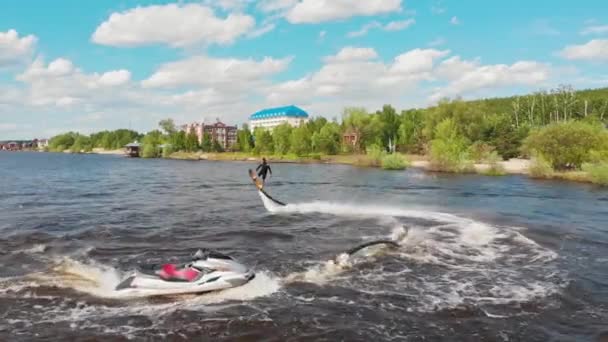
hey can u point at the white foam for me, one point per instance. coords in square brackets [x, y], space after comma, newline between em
[478, 263]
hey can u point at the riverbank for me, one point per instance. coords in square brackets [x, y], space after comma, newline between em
[512, 166]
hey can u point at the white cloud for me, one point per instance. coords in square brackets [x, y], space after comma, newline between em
[391, 26]
[115, 78]
[202, 70]
[399, 25]
[437, 41]
[595, 29]
[454, 21]
[469, 76]
[322, 34]
[229, 5]
[61, 84]
[594, 50]
[172, 24]
[364, 30]
[276, 5]
[316, 11]
[344, 78]
[262, 30]
[349, 54]
[15, 50]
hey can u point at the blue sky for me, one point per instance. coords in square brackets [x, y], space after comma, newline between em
[88, 66]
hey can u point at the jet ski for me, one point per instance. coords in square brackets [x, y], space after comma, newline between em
[207, 271]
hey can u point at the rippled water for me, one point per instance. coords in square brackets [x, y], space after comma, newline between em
[485, 259]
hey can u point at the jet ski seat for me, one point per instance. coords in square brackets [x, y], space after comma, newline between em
[171, 272]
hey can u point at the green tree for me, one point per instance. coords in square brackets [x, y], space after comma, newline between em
[150, 144]
[82, 143]
[567, 145]
[217, 147]
[327, 140]
[191, 142]
[410, 136]
[449, 148]
[168, 126]
[244, 139]
[263, 141]
[207, 144]
[300, 141]
[281, 136]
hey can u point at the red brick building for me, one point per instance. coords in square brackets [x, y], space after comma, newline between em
[225, 135]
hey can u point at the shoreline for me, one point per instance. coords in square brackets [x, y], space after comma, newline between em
[514, 166]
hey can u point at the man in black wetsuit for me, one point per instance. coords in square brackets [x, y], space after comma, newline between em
[263, 169]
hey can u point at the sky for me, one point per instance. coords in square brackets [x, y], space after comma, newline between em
[86, 66]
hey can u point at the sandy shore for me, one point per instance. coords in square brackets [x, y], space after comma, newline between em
[104, 151]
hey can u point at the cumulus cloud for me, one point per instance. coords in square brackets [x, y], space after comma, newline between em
[172, 24]
[349, 54]
[594, 50]
[391, 26]
[316, 11]
[15, 49]
[61, 84]
[595, 29]
[207, 71]
[344, 77]
[115, 78]
[468, 76]
[276, 5]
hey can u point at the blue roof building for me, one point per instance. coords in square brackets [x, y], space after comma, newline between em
[272, 117]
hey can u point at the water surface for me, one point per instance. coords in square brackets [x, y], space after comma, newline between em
[485, 259]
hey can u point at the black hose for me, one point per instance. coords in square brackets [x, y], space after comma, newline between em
[371, 243]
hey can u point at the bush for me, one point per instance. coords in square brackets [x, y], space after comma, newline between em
[480, 151]
[375, 154]
[495, 168]
[150, 151]
[167, 150]
[598, 172]
[449, 150]
[568, 145]
[394, 161]
[540, 167]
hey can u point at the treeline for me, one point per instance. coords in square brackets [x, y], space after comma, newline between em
[76, 142]
[454, 133]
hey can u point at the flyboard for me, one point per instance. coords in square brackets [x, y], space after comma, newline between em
[259, 184]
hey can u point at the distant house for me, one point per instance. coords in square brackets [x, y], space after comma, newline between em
[224, 134]
[132, 149]
[272, 117]
[351, 138]
[42, 143]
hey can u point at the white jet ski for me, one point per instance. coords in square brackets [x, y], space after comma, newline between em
[207, 271]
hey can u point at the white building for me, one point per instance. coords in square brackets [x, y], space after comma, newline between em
[272, 117]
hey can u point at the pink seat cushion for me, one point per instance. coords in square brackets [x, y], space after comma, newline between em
[170, 271]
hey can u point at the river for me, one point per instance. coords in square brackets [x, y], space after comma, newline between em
[484, 258]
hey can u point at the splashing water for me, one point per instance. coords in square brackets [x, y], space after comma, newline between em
[456, 261]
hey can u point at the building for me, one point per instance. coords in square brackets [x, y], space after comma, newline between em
[132, 149]
[42, 143]
[350, 138]
[225, 135]
[272, 117]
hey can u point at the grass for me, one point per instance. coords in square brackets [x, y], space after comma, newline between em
[597, 172]
[540, 167]
[495, 169]
[394, 161]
